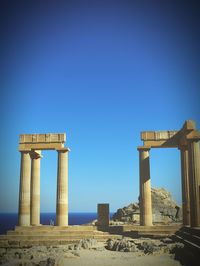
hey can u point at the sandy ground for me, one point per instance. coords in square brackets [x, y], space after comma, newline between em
[113, 258]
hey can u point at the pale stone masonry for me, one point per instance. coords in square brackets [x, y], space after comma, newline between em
[194, 186]
[145, 188]
[30, 146]
[24, 191]
[187, 141]
[35, 187]
[62, 188]
[185, 185]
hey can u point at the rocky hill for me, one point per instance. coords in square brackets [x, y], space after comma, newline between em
[165, 209]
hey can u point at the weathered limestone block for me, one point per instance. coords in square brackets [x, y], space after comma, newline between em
[103, 214]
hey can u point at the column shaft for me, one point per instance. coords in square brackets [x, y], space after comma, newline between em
[145, 189]
[24, 191]
[62, 189]
[185, 185]
[35, 188]
[194, 183]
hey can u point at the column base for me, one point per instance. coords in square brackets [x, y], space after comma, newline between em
[62, 220]
[24, 220]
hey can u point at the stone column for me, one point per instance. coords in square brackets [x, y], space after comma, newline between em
[62, 188]
[185, 185]
[145, 188]
[35, 187]
[24, 190]
[194, 183]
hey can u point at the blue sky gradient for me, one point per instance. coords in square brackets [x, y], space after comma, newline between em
[101, 71]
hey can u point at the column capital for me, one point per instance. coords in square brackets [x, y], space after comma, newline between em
[24, 150]
[142, 148]
[183, 147]
[36, 154]
[63, 150]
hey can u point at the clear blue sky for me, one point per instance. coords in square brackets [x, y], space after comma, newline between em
[101, 71]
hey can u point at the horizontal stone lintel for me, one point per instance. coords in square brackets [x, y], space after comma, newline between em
[158, 135]
[42, 138]
[161, 144]
[41, 146]
[171, 143]
[171, 138]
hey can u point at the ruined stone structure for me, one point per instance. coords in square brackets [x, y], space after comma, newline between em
[187, 141]
[30, 146]
[103, 214]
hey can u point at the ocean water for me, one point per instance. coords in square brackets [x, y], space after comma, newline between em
[9, 220]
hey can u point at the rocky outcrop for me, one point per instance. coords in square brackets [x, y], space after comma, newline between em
[144, 246]
[165, 209]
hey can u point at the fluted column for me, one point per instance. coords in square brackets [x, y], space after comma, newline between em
[35, 187]
[194, 183]
[185, 185]
[24, 191]
[62, 188]
[145, 188]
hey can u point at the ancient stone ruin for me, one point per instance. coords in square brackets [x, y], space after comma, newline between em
[187, 141]
[155, 206]
[30, 146]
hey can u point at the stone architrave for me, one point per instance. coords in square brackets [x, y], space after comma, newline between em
[24, 191]
[103, 214]
[62, 188]
[145, 188]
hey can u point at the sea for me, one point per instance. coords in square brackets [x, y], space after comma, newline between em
[8, 221]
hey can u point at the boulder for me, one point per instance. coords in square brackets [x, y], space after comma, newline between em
[87, 243]
[121, 245]
[164, 209]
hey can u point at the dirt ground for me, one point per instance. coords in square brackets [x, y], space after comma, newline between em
[112, 258]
